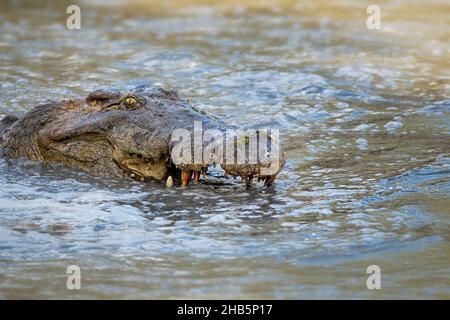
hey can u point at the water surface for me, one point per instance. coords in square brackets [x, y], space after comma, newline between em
[364, 118]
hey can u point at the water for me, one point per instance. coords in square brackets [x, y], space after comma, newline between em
[364, 117]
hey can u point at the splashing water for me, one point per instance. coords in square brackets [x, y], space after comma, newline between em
[364, 118]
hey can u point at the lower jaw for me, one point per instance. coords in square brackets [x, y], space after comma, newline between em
[144, 171]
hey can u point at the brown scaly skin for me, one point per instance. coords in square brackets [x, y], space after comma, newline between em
[115, 134]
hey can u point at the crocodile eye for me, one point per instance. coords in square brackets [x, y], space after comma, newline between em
[130, 102]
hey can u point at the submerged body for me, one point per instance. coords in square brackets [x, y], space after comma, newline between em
[119, 134]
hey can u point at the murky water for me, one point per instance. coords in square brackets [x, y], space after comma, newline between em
[365, 121]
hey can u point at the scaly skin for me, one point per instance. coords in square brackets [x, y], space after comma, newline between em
[117, 134]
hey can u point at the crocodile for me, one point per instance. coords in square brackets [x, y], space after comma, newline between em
[124, 134]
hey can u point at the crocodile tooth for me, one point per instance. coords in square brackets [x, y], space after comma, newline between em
[269, 180]
[132, 175]
[196, 176]
[169, 182]
[142, 179]
[185, 177]
[130, 161]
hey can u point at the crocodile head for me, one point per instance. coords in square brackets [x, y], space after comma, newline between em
[121, 134]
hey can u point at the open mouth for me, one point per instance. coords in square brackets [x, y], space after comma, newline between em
[143, 169]
[140, 168]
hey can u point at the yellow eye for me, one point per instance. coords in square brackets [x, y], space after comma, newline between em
[130, 101]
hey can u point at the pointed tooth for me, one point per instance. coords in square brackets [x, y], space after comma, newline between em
[132, 175]
[142, 179]
[185, 177]
[196, 176]
[269, 180]
[169, 182]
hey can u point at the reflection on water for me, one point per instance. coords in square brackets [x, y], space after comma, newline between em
[364, 117]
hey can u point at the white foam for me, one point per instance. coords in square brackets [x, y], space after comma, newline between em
[362, 144]
[393, 126]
